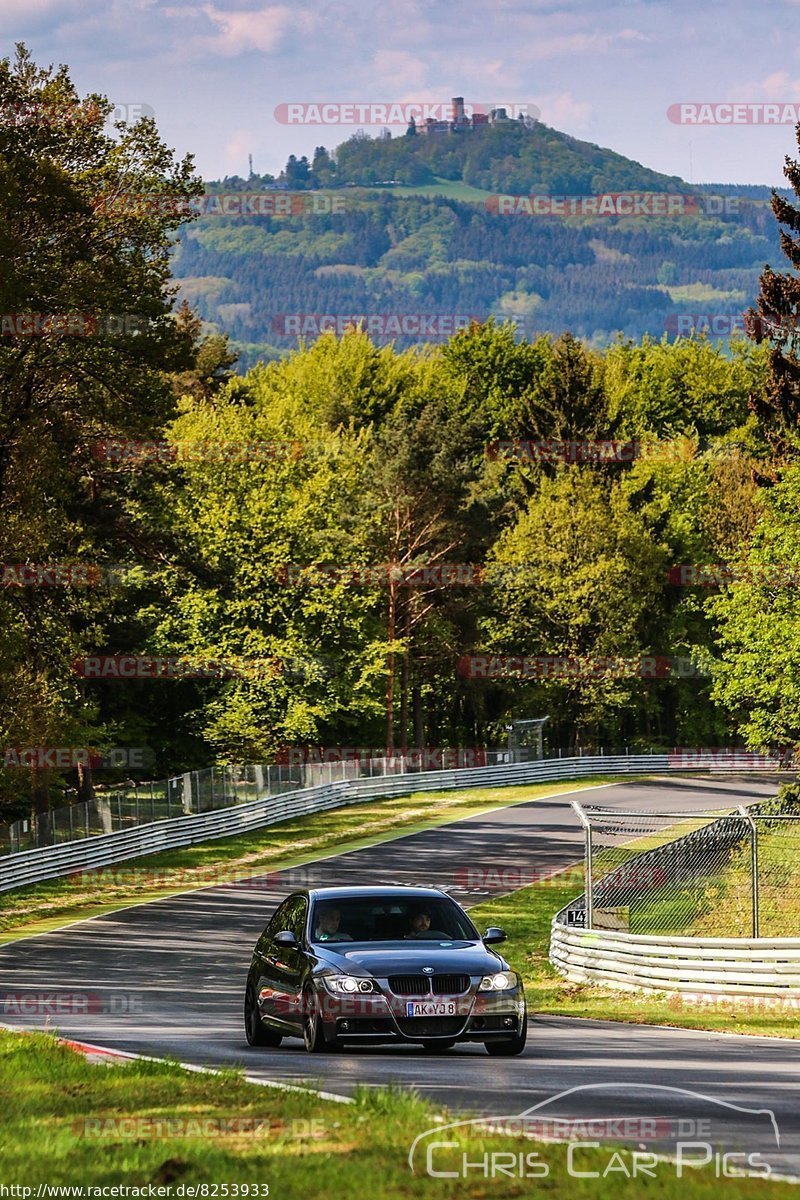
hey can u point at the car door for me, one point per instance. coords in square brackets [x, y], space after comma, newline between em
[282, 966]
[294, 959]
[266, 977]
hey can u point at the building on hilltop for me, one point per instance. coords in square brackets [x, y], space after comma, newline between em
[460, 122]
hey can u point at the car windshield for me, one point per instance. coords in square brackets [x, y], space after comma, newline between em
[390, 919]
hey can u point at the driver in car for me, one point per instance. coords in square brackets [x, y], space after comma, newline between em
[328, 927]
[420, 922]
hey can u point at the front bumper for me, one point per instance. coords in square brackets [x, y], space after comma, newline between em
[382, 1017]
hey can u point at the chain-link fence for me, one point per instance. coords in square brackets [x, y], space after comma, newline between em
[220, 787]
[133, 804]
[711, 874]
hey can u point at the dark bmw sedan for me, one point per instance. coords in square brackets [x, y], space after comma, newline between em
[381, 964]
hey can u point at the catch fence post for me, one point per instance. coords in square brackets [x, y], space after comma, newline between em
[587, 867]
[753, 865]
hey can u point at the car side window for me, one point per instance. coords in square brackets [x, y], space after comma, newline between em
[277, 922]
[296, 916]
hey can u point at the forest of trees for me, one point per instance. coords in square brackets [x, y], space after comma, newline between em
[403, 254]
[269, 515]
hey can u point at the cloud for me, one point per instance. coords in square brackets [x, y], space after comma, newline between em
[242, 30]
[778, 86]
[20, 18]
[237, 149]
[582, 44]
[397, 69]
[18, 9]
[561, 110]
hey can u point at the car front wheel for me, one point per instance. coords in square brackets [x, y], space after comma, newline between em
[313, 1029]
[257, 1034]
[508, 1047]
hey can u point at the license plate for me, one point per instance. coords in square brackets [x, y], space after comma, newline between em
[430, 1008]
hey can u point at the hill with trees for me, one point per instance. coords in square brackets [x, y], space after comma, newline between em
[440, 244]
[340, 527]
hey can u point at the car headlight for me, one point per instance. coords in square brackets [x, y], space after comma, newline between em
[348, 985]
[500, 982]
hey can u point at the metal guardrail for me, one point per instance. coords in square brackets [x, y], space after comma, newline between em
[718, 967]
[101, 850]
[591, 939]
[130, 804]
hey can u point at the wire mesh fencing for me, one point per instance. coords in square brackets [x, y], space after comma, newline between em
[209, 789]
[699, 874]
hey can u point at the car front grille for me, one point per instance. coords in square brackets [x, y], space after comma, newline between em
[410, 985]
[425, 985]
[449, 985]
[425, 1027]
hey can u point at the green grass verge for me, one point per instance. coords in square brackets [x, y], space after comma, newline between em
[40, 907]
[145, 1123]
[678, 909]
[526, 916]
[452, 189]
[718, 902]
[778, 886]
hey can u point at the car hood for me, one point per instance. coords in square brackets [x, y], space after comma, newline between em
[468, 958]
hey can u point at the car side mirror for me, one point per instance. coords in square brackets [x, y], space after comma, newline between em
[286, 939]
[494, 935]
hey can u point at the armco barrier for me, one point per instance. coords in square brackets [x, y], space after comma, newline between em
[765, 970]
[101, 850]
[718, 967]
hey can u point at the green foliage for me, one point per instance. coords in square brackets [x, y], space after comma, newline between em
[508, 157]
[588, 581]
[759, 625]
[364, 456]
[69, 254]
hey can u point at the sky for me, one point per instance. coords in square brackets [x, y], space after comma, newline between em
[215, 73]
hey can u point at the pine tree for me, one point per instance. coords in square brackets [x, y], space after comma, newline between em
[775, 321]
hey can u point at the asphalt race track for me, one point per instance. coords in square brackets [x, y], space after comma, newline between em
[167, 978]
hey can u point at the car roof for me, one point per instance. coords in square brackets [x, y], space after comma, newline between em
[364, 893]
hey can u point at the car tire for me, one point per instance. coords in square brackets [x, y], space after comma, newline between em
[437, 1047]
[508, 1047]
[256, 1032]
[314, 1037]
